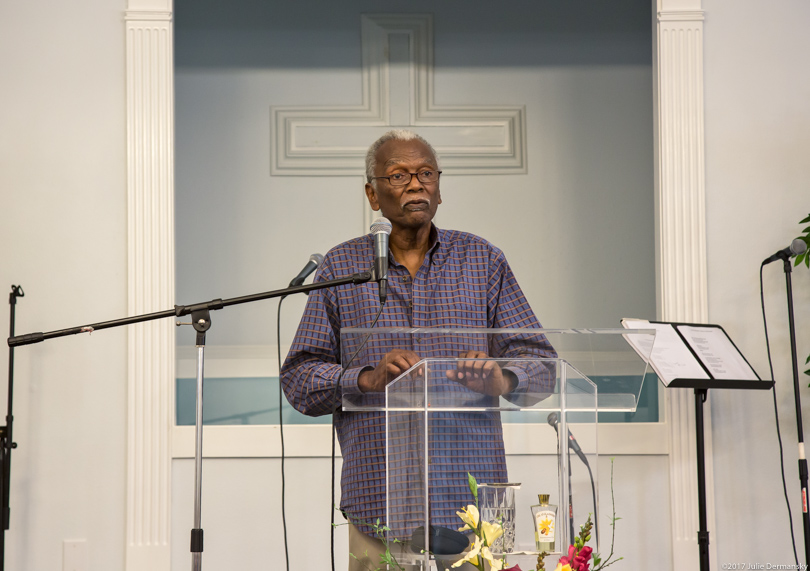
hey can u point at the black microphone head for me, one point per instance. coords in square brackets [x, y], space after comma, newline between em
[316, 259]
[798, 247]
[381, 225]
[552, 419]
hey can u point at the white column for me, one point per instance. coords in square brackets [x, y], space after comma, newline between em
[150, 204]
[681, 246]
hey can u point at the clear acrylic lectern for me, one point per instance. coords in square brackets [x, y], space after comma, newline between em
[438, 428]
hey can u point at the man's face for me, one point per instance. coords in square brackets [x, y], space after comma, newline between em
[414, 205]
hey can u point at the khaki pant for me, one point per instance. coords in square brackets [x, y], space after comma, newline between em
[368, 550]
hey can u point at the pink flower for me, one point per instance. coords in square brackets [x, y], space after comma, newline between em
[582, 560]
[579, 561]
[515, 568]
[571, 552]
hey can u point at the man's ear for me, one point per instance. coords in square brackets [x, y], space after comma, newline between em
[371, 194]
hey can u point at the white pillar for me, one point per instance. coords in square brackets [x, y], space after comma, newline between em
[150, 205]
[681, 246]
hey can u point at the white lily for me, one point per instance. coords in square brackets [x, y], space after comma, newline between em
[491, 531]
[494, 564]
[472, 554]
[469, 516]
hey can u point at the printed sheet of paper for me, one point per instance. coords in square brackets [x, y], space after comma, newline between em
[718, 353]
[670, 358]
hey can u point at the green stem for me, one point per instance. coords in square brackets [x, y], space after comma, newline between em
[606, 561]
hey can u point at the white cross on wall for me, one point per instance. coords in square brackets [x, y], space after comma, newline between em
[397, 93]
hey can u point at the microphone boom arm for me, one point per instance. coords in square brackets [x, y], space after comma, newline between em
[181, 310]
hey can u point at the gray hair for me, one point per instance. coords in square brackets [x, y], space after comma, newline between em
[394, 134]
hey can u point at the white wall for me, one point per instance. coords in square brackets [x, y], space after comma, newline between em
[758, 188]
[63, 236]
[241, 514]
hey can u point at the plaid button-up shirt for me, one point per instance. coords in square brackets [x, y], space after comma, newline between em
[464, 282]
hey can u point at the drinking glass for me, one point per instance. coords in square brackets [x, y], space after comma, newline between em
[497, 505]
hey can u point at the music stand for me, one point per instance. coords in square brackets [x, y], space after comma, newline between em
[701, 388]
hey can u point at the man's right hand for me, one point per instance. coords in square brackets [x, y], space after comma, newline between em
[392, 365]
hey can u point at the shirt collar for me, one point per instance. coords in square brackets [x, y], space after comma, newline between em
[433, 240]
[433, 248]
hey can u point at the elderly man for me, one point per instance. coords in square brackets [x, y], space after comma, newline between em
[436, 279]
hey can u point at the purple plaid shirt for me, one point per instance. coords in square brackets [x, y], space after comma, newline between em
[464, 282]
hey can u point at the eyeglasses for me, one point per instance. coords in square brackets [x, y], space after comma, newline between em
[404, 178]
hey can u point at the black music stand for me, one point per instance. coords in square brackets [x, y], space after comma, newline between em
[701, 387]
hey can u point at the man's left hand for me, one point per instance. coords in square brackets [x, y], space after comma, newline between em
[485, 377]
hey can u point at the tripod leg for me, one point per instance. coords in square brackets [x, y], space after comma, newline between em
[4, 517]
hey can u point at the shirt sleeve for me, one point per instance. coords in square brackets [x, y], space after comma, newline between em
[509, 309]
[312, 377]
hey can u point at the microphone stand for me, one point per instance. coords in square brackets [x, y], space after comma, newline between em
[6, 441]
[570, 500]
[797, 396]
[201, 322]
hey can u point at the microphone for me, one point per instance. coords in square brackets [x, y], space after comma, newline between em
[798, 246]
[572, 442]
[381, 229]
[314, 261]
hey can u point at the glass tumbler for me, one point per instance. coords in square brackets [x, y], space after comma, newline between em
[497, 505]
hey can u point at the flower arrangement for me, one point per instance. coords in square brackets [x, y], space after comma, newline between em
[580, 556]
[486, 533]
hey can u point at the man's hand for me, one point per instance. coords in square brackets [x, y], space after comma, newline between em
[485, 377]
[392, 365]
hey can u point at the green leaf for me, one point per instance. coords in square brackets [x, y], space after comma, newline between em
[473, 485]
[799, 259]
[805, 220]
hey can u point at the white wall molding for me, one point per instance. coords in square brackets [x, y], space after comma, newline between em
[685, 16]
[147, 16]
[150, 211]
[681, 246]
[315, 440]
[398, 91]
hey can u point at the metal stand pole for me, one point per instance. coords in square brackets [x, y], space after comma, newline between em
[201, 321]
[797, 396]
[6, 438]
[703, 531]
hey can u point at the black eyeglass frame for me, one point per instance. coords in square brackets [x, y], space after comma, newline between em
[410, 178]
